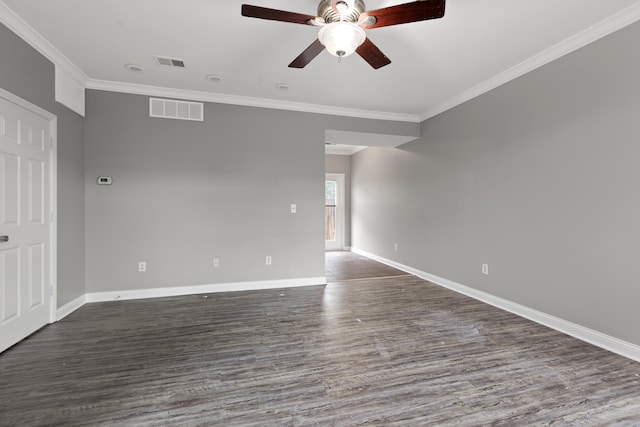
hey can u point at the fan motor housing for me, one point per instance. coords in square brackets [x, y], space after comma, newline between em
[326, 12]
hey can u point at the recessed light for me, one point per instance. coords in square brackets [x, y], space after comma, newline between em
[213, 78]
[133, 67]
[283, 86]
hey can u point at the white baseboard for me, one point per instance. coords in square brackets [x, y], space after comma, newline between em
[202, 289]
[591, 336]
[70, 307]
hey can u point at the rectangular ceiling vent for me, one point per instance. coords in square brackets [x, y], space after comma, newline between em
[179, 110]
[169, 62]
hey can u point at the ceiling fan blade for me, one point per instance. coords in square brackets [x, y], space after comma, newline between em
[307, 55]
[404, 13]
[374, 56]
[276, 15]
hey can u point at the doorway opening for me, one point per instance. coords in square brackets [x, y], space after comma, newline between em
[334, 212]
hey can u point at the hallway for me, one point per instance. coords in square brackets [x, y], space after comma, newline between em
[346, 266]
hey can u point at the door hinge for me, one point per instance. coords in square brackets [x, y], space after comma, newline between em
[51, 216]
[51, 290]
[51, 141]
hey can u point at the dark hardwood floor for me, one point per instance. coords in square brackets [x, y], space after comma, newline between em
[343, 266]
[390, 351]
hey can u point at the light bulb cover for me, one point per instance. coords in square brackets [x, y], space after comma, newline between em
[341, 38]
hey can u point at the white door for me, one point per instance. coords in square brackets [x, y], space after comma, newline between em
[25, 206]
[334, 212]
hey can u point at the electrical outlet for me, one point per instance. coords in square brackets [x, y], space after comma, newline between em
[485, 269]
[395, 247]
[294, 208]
[142, 266]
[267, 260]
[216, 262]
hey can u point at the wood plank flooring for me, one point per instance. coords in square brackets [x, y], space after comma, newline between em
[343, 265]
[396, 351]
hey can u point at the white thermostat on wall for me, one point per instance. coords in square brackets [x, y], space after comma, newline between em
[104, 180]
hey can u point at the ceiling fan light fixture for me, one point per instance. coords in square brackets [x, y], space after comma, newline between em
[341, 38]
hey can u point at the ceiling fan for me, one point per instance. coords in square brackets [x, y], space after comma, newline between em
[343, 23]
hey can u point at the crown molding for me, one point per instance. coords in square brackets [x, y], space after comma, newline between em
[614, 23]
[138, 89]
[603, 28]
[25, 31]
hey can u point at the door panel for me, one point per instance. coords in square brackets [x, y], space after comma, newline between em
[9, 189]
[35, 138]
[36, 191]
[9, 126]
[24, 218]
[36, 270]
[9, 280]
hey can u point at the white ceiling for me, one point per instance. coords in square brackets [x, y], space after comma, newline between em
[435, 64]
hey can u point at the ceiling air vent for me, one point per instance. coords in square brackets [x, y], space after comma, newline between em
[179, 110]
[169, 62]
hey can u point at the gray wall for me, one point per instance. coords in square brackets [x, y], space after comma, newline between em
[185, 193]
[342, 164]
[26, 73]
[538, 178]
